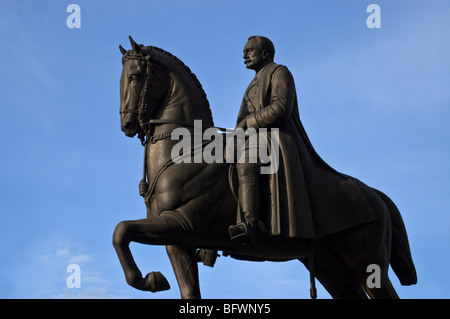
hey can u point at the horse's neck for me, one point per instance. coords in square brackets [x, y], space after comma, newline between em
[184, 103]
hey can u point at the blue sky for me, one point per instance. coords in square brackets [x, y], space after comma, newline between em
[375, 103]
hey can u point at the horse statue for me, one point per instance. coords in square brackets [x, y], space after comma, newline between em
[191, 205]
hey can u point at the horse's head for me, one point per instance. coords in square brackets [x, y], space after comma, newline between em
[154, 81]
[140, 90]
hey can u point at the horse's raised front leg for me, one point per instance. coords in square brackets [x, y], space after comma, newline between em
[160, 230]
[184, 263]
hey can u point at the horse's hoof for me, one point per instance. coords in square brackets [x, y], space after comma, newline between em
[155, 281]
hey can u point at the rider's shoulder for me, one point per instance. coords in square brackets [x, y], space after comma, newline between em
[281, 72]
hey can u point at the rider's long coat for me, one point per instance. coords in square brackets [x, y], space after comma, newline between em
[308, 198]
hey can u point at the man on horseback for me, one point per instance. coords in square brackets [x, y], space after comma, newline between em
[269, 101]
[333, 223]
[258, 53]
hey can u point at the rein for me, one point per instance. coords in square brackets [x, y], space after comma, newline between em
[145, 189]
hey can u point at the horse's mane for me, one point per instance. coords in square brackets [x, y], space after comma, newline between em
[186, 69]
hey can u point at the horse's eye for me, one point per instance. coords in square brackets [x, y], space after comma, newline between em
[134, 77]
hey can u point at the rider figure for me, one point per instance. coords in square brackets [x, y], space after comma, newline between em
[258, 56]
[296, 190]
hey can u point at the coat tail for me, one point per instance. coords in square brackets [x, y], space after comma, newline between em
[401, 259]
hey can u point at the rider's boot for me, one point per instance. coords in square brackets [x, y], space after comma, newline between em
[249, 204]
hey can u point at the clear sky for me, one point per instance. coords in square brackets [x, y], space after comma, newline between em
[375, 103]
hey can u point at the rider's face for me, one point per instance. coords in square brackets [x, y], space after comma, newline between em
[254, 57]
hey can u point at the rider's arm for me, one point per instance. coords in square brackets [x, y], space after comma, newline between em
[282, 93]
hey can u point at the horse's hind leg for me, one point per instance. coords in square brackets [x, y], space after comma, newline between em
[184, 265]
[160, 230]
[336, 276]
[371, 250]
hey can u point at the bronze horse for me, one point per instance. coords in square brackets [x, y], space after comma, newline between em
[191, 205]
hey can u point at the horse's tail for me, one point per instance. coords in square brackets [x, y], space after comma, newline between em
[401, 260]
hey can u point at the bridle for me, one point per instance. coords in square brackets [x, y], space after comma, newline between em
[142, 106]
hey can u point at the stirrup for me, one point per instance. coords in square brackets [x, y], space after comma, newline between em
[242, 233]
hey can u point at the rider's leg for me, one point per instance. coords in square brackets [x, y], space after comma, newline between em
[249, 193]
[249, 198]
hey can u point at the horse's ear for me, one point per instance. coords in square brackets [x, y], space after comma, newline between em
[122, 49]
[134, 45]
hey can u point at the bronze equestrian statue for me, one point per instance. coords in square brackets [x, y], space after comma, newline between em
[333, 223]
